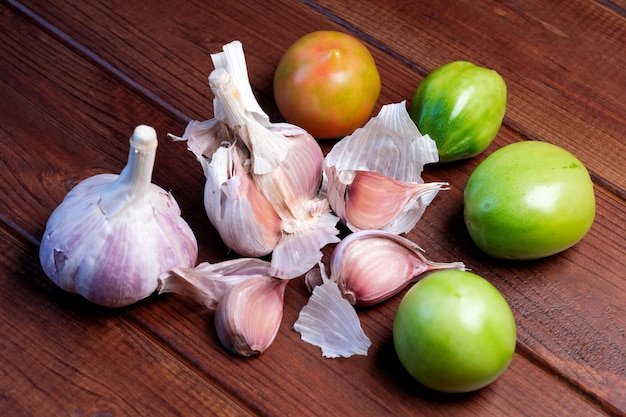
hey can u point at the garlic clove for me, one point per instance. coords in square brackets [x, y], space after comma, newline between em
[331, 323]
[371, 266]
[245, 220]
[292, 185]
[375, 201]
[373, 177]
[248, 317]
[113, 235]
[208, 283]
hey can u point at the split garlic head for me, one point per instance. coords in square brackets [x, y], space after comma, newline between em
[113, 235]
[263, 179]
[373, 177]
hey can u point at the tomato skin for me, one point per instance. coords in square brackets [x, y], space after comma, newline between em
[454, 332]
[327, 83]
[528, 200]
[460, 106]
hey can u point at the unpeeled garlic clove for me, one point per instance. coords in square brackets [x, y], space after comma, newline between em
[373, 177]
[248, 317]
[376, 201]
[208, 283]
[245, 219]
[371, 266]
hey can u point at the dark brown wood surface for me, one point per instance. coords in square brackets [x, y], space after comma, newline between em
[76, 77]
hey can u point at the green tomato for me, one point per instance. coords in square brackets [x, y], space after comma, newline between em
[454, 332]
[461, 107]
[528, 200]
[327, 83]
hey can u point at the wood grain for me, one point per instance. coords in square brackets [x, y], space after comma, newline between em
[78, 76]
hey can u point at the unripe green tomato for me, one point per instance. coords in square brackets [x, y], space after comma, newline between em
[461, 107]
[454, 332]
[528, 200]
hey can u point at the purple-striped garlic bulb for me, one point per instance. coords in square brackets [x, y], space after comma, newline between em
[112, 236]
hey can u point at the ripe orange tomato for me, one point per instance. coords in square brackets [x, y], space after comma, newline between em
[327, 83]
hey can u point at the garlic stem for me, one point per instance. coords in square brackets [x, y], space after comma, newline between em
[268, 149]
[134, 182]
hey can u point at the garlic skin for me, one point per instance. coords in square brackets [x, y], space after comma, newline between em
[370, 266]
[248, 317]
[263, 179]
[331, 323]
[113, 235]
[373, 177]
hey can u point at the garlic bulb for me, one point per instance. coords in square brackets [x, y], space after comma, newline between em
[113, 235]
[248, 317]
[370, 266]
[373, 177]
[208, 283]
[263, 179]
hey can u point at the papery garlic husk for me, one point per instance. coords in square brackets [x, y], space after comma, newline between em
[330, 322]
[113, 235]
[239, 148]
[370, 266]
[373, 177]
[208, 283]
[248, 317]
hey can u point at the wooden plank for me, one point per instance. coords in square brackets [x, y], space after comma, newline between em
[46, 120]
[560, 356]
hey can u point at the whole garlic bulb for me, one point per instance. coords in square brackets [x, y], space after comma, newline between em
[113, 235]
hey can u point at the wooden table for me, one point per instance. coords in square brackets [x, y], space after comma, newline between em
[78, 76]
